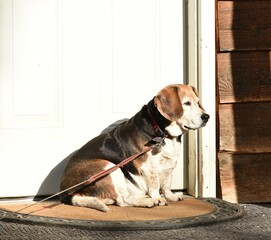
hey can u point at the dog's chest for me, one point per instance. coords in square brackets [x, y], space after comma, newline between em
[171, 149]
[166, 159]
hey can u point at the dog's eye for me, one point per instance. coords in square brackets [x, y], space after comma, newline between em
[187, 103]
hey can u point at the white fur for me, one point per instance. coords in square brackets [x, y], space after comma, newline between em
[157, 170]
[156, 175]
[91, 202]
[128, 195]
[191, 118]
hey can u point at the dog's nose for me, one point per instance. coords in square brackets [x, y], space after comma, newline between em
[205, 117]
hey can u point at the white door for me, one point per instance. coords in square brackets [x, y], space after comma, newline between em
[68, 69]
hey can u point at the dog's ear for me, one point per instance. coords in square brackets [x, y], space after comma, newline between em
[168, 103]
[197, 94]
[195, 90]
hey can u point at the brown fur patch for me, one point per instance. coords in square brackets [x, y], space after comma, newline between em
[81, 171]
[168, 102]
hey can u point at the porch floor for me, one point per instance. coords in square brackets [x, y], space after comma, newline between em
[255, 224]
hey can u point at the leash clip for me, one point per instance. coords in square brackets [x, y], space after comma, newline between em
[159, 141]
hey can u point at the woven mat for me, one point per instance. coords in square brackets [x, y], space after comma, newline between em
[189, 207]
[188, 213]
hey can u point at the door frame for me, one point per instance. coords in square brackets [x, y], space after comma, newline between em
[200, 25]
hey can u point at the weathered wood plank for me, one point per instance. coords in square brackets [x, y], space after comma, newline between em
[245, 15]
[245, 127]
[244, 25]
[231, 40]
[244, 77]
[245, 178]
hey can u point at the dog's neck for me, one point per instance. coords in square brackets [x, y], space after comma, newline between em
[158, 121]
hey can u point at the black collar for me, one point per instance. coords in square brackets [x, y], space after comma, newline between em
[156, 128]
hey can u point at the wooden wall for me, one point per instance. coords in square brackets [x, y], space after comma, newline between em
[244, 100]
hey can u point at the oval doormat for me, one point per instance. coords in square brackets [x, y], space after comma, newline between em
[189, 212]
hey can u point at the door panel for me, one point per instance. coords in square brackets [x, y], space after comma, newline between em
[70, 68]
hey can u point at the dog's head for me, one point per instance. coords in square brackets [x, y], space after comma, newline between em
[180, 104]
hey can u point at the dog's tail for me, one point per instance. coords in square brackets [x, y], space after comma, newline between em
[86, 201]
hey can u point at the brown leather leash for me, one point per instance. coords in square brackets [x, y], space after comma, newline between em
[155, 142]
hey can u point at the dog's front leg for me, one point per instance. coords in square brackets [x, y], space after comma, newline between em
[153, 184]
[165, 188]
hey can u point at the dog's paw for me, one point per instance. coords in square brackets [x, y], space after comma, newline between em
[174, 197]
[142, 202]
[145, 202]
[151, 202]
[162, 201]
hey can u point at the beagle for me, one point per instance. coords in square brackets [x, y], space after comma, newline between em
[146, 181]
